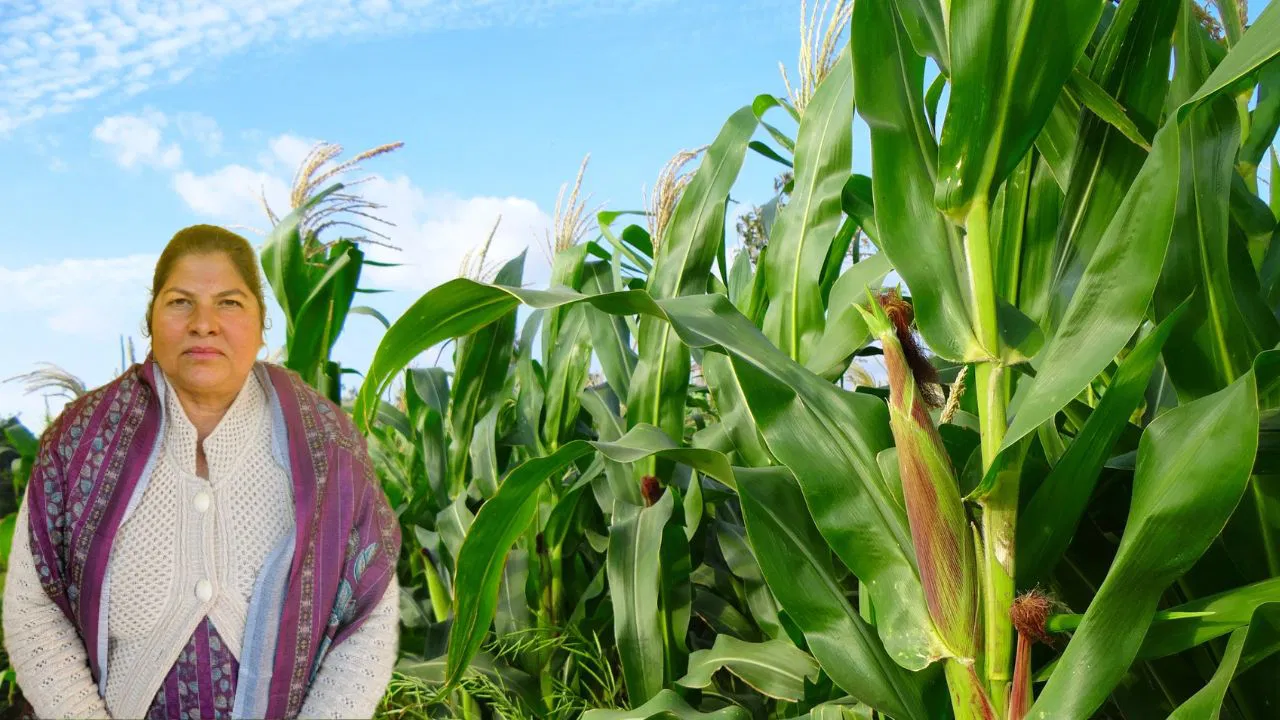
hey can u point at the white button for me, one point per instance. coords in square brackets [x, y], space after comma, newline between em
[202, 501]
[204, 590]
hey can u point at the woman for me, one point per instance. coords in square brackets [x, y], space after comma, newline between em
[203, 537]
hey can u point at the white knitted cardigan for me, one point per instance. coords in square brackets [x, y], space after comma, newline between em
[191, 548]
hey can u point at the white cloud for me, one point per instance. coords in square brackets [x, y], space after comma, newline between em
[232, 192]
[431, 232]
[138, 140]
[56, 55]
[91, 298]
[434, 232]
[286, 152]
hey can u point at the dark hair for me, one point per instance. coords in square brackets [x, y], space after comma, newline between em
[206, 240]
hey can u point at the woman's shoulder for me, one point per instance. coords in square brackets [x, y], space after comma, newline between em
[333, 424]
[69, 425]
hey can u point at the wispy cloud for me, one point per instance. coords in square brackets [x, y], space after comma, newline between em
[56, 55]
[90, 298]
[136, 140]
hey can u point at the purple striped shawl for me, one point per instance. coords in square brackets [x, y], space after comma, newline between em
[346, 536]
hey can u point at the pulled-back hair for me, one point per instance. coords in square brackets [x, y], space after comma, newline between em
[207, 240]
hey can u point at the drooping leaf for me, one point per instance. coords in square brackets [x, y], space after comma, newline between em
[1193, 463]
[797, 566]
[667, 705]
[775, 668]
[1112, 296]
[1246, 646]
[845, 331]
[1049, 520]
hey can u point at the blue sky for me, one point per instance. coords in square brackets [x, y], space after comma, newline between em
[122, 121]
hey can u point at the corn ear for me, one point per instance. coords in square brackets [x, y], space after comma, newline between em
[935, 511]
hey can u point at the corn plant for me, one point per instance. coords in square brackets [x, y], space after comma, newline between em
[315, 281]
[1059, 505]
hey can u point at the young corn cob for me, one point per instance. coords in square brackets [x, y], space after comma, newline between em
[935, 510]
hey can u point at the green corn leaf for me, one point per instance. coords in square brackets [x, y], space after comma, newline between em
[932, 97]
[1024, 230]
[759, 106]
[366, 310]
[566, 272]
[845, 330]
[1004, 84]
[452, 523]
[1116, 287]
[481, 364]
[1132, 65]
[513, 614]
[610, 336]
[521, 685]
[1265, 120]
[1049, 520]
[453, 309]
[1220, 337]
[857, 201]
[431, 385]
[723, 618]
[531, 397]
[848, 709]
[797, 566]
[1259, 45]
[682, 266]
[776, 668]
[503, 518]
[484, 451]
[644, 440]
[1247, 646]
[602, 406]
[1185, 626]
[923, 247]
[1193, 463]
[801, 236]
[769, 152]
[567, 368]
[635, 582]
[743, 564]
[1105, 309]
[740, 281]
[925, 25]
[1100, 103]
[667, 705]
[480, 560]
[282, 261]
[641, 257]
[7, 525]
[1057, 140]
[735, 414]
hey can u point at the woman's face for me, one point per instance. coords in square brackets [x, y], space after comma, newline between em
[206, 326]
